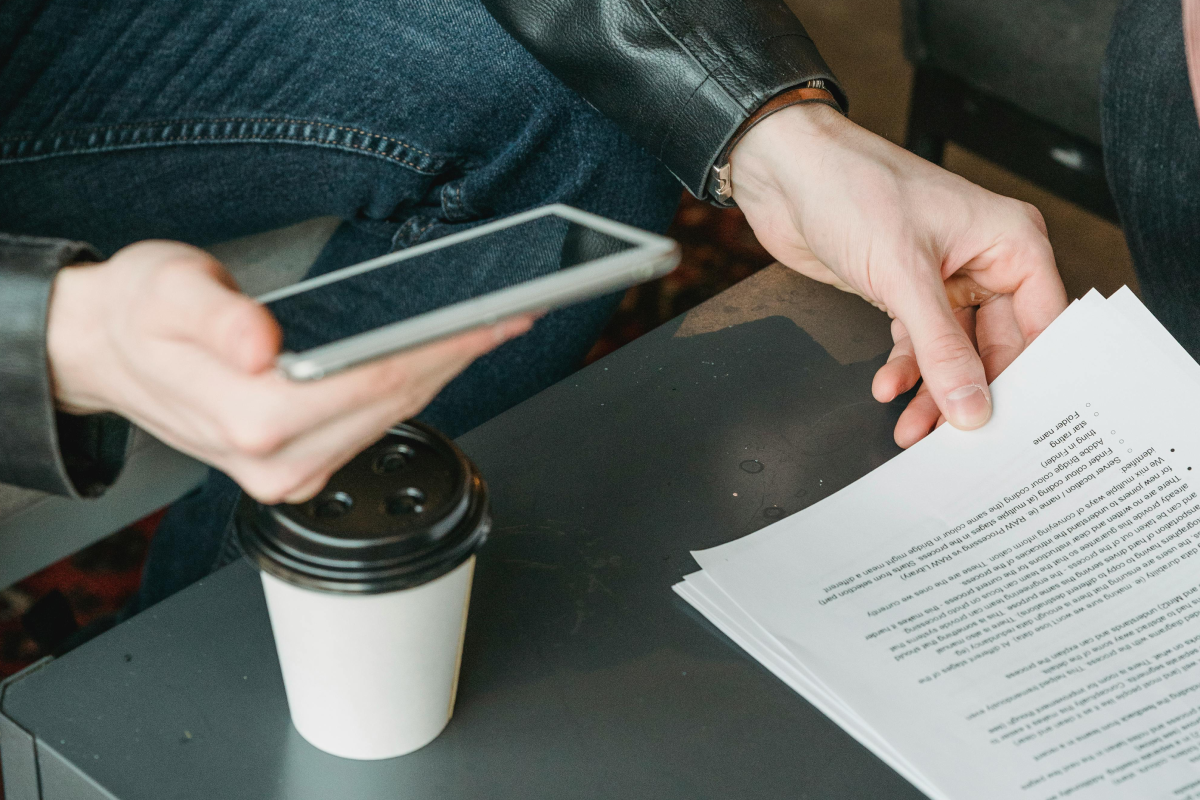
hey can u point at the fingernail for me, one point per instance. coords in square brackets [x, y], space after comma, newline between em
[968, 407]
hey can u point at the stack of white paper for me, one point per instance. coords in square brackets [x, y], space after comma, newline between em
[1012, 612]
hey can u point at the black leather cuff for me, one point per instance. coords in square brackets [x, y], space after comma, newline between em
[714, 113]
[41, 448]
[679, 77]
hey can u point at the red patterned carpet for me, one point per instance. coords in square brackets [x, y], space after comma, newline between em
[36, 614]
[719, 249]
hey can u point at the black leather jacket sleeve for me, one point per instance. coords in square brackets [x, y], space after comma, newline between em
[679, 76]
[39, 447]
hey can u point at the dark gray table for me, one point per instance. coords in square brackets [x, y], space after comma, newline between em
[583, 675]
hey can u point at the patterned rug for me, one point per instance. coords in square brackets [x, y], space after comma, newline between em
[42, 611]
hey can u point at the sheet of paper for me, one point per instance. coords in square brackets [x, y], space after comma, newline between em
[701, 592]
[1011, 612]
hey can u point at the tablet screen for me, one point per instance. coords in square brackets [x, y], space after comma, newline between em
[361, 298]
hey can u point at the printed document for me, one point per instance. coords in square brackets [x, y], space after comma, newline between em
[1012, 612]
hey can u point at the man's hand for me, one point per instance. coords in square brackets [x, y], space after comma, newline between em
[842, 205]
[160, 334]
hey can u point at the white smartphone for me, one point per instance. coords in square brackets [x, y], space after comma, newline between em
[565, 256]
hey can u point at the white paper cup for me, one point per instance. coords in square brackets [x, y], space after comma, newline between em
[368, 603]
[371, 676]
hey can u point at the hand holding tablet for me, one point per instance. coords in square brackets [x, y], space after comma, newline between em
[160, 335]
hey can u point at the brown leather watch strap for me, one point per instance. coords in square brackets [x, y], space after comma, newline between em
[722, 188]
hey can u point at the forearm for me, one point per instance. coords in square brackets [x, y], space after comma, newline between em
[680, 78]
[41, 448]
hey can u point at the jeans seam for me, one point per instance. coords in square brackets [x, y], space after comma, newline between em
[401, 238]
[431, 164]
[452, 200]
[421, 232]
[156, 123]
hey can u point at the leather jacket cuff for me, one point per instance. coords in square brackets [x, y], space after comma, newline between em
[41, 448]
[698, 146]
[720, 185]
[679, 77]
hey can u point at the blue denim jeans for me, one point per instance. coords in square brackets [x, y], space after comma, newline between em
[202, 122]
[1152, 154]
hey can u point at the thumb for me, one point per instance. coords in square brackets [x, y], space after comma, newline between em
[198, 301]
[950, 366]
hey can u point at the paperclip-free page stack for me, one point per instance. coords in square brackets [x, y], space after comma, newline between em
[1012, 612]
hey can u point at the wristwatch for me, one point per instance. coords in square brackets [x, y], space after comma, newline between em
[720, 182]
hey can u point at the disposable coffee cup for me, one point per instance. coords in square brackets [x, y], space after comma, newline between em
[367, 586]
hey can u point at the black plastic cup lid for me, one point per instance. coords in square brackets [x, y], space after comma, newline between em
[407, 510]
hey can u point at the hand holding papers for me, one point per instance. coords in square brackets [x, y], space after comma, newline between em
[1012, 612]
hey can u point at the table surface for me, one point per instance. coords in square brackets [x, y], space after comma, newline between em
[583, 675]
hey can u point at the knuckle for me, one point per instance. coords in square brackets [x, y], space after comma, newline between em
[310, 489]
[161, 281]
[270, 486]
[1030, 210]
[251, 437]
[166, 282]
[951, 351]
[1034, 215]
[264, 492]
[254, 483]
[178, 267]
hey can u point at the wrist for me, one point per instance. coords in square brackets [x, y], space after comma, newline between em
[787, 142]
[74, 337]
[814, 92]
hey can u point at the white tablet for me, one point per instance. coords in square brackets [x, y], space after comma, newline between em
[565, 256]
